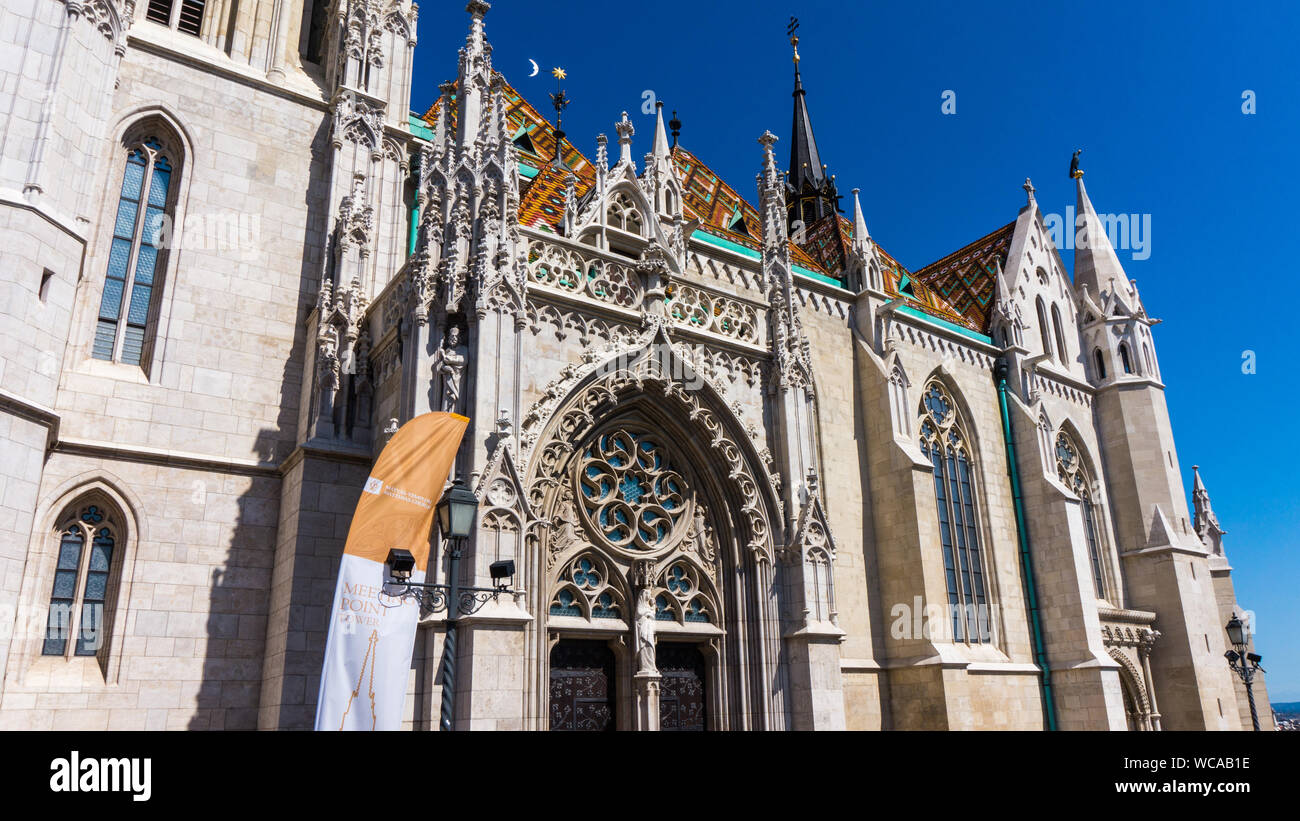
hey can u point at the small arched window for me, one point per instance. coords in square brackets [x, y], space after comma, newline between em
[128, 307]
[1124, 358]
[898, 404]
[1062, 352]
[185, 16]
[623, 214]
[943, 442]
[1146, 357]
[1074, 476]
[77, 623]
[1100, 362]
[1042, 327]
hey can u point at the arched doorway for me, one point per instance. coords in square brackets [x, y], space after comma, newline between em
[583, 686]
[683, 697]
[657, 508]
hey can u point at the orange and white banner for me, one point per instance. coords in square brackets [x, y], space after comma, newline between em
[372, 634]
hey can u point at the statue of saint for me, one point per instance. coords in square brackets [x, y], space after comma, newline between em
[449, 362]
[645, 632]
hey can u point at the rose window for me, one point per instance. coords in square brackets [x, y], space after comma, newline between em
[631, 494]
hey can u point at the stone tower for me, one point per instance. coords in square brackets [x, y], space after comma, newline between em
[1167, 569]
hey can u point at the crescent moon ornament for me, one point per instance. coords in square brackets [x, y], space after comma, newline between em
[535, 68]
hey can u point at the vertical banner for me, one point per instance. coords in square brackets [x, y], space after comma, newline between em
[372, 635]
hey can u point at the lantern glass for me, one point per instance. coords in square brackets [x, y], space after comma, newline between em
[1236, 631]
[456, 511]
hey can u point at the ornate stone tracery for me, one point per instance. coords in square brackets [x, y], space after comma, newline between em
[631, 493]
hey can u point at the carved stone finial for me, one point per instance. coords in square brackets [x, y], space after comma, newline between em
[625, 131]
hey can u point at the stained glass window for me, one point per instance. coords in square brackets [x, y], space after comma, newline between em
[584, 587]
[131, 281]
[630, 491]
[944, 444]
[80, 590]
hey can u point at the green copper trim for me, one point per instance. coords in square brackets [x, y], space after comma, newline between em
[719, 242]
[414, 232]
[1026, 560]
[801, 271]
[528, 171]
[420, 128]
[943, 323]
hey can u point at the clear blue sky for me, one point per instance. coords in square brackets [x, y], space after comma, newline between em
[1151, 91]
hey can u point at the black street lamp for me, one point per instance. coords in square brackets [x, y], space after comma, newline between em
[455, 513]
[1242, 663]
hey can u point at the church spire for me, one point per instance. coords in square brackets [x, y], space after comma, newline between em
[1204, 521]
[861, 239]
[1096, 264]
[811, 194]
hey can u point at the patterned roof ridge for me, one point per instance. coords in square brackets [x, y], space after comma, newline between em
[721, 210]
[828, 241]
[967, 277]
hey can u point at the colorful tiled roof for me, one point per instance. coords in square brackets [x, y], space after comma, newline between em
[898, 281]
[828, 241]
[952, 289]
[542, 201]
[722, 212]
[966, 277]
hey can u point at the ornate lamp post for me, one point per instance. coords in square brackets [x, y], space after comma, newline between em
[1242, 663]
[456, 512]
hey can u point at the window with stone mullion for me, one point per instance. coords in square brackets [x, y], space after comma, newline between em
[127, 303]
[943, 443]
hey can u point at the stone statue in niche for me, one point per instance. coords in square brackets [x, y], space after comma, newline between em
[449, 364]
[645, 632]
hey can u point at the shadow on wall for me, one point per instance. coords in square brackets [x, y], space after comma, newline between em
[238, 650]
[239, 596]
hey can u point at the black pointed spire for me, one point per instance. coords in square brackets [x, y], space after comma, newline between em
[811, 193]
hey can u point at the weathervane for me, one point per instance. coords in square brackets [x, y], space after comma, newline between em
[794, 38]
[1075, 171]
[560, 101]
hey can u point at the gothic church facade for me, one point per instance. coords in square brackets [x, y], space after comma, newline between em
[856, 496]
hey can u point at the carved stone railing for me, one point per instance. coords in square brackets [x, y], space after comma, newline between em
[691, 306]
[570, 272]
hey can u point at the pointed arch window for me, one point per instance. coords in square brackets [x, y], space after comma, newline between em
[623, 214]
[77, 621]
[128, 307]
[898, 404]
[1074, 475]
[1124, 358]
[1062, 352]
[1043, 333]
[1100, 361]
[944, 443]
